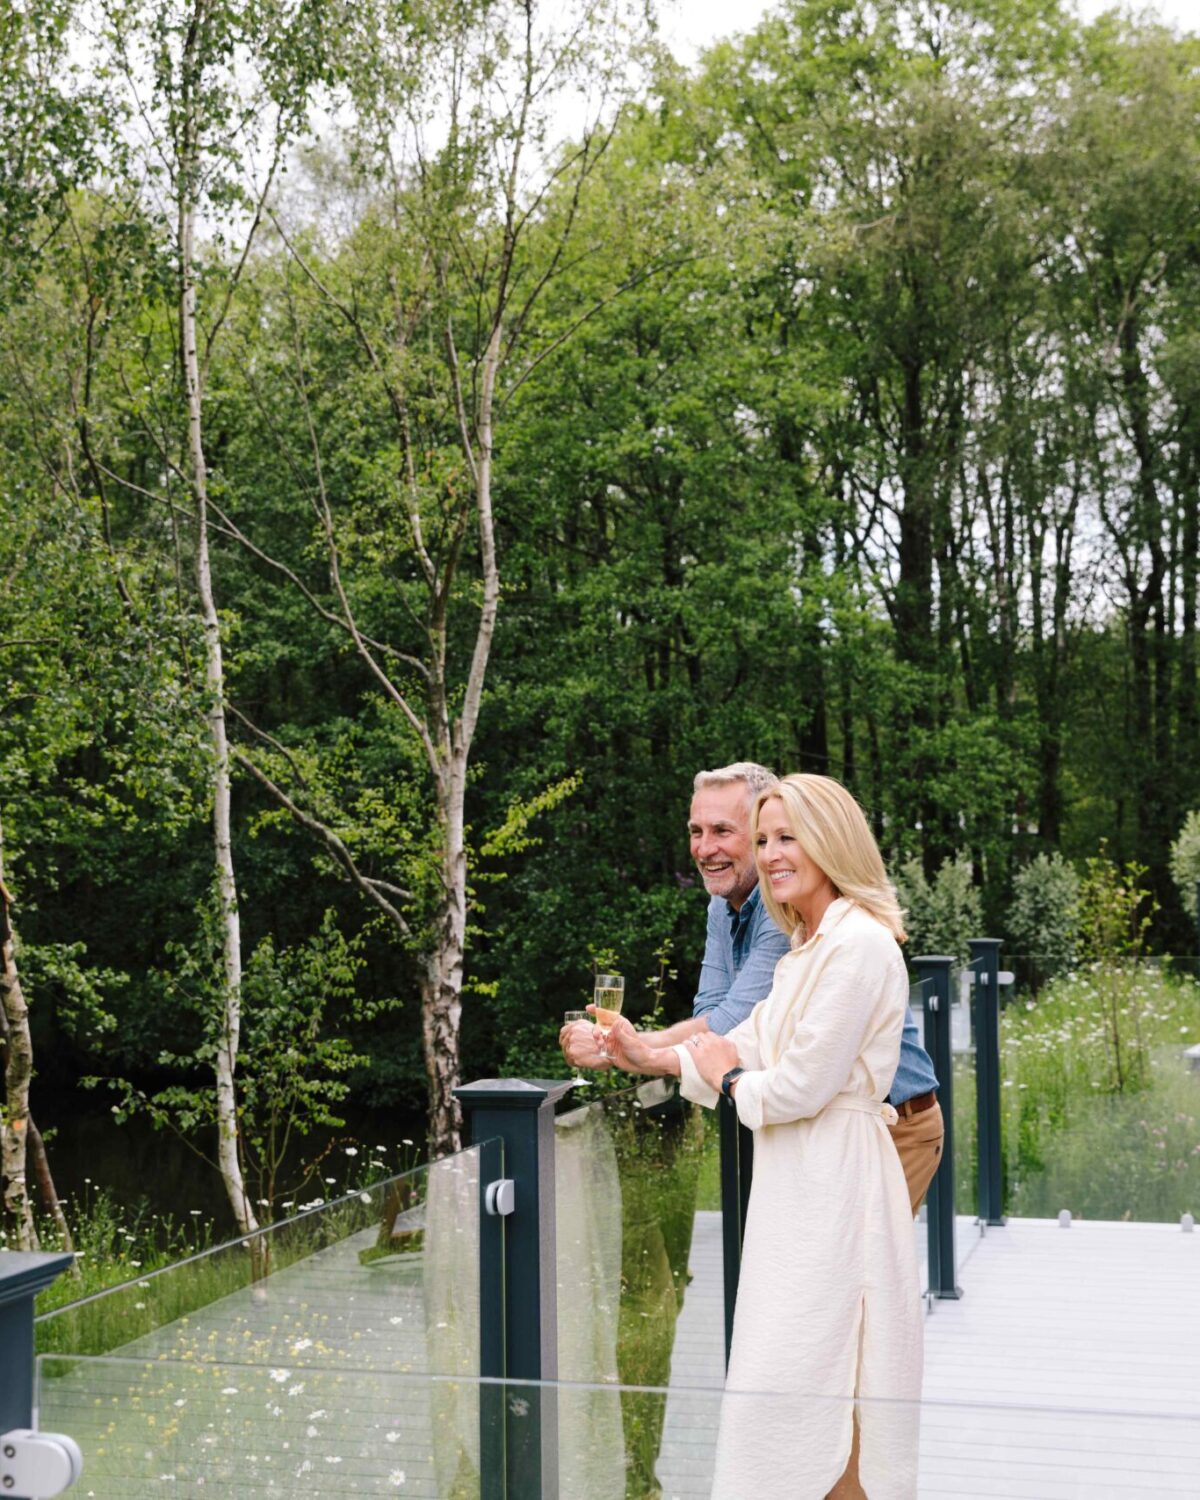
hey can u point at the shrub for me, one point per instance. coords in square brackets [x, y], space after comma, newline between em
[943, 913]
[1043, 919]
[1185, 861]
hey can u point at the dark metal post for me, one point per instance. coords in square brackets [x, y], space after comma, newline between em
[737, 1171]
[985, 991]
[518, 1281]
[1197, 974]
[23, 1275]
[934, 973]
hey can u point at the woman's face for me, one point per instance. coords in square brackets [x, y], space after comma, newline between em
[783, 867]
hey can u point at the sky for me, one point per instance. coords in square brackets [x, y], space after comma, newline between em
[688, 26]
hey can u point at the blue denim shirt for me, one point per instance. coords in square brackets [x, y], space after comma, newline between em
[741, 949]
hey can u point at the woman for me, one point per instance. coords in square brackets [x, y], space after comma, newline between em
[828, 1302]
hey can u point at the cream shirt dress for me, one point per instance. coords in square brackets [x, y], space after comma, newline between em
[829, 1303]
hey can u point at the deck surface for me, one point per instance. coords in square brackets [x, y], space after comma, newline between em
[1071, 1367]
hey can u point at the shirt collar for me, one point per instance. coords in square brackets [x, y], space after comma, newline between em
[748, 907]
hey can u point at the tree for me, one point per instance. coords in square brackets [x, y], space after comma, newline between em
[435, 302]
[209, 82]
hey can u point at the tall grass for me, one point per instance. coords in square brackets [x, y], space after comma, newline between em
[1099, 1112]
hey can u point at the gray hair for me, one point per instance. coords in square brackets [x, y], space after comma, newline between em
[758, 778]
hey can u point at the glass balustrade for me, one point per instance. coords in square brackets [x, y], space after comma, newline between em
[964, 1048]
[384, 1277]
[154, 1427]
[1100, 1088]
[637, 1199]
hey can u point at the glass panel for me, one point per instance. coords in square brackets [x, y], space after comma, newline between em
[963, 1013]
[164, 1428]
[387, 1278]
[1100, 1088]
[629, 1168]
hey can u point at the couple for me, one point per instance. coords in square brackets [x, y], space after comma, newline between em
[802, 1019]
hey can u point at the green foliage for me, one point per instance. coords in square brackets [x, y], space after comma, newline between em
[1043, 918]
[1115, 913]
[1115, 908]
[1185, 862]
[1071, 1139]
[941, 914]
[863, 324]
[294, 1061]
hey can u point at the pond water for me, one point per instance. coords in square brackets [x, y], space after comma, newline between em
[133, 1161]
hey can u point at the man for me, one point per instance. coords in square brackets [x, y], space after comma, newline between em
[741, 949]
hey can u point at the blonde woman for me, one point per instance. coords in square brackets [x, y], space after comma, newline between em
[828, 1304]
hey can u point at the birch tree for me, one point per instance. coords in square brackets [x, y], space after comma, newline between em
[216, 92]
[471, 216]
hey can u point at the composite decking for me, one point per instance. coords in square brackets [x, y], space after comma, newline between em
[1071, 1367]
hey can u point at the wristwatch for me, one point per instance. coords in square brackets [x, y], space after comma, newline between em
[729, 1080]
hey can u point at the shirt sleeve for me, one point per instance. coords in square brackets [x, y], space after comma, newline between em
[743, 991]
[716, 970]
[818, 1060]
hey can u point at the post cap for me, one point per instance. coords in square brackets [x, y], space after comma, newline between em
[935, 958]
[24, 1273]
[513, 1093]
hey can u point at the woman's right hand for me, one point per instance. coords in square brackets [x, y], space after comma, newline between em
[627, 1048]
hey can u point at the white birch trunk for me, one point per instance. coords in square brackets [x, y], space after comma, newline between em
[228, 1156]
[442, 997]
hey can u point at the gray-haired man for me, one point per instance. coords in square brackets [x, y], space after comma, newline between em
[741, 949]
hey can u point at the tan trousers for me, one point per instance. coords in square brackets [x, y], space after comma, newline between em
[919, 1145]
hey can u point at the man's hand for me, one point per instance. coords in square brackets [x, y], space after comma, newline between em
[580, 1043]
[714, 1056]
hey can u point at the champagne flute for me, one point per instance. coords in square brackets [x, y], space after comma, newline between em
[607, 998]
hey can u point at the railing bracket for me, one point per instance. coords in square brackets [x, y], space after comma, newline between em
[500, 1197]
[38, 1465]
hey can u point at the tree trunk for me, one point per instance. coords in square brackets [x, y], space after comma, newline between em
[48, 1192]
[228, 1155]
[18, 1074]
[1188, 724]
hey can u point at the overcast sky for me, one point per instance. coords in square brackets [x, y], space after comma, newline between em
[690, 25]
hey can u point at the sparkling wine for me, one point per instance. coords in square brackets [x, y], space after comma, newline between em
[608, 998]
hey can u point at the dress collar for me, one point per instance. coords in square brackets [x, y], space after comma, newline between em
[834, 913]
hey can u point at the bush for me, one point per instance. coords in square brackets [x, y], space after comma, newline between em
[1043, 920]
[1185, 861]
[940, 915]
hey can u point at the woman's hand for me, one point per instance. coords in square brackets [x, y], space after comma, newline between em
[627, 1048]
[713, 1055]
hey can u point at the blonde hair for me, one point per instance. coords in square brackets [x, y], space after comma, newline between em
[833, 831]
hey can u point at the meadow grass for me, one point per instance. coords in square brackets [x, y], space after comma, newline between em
[139, 1272]
[1099, 1112]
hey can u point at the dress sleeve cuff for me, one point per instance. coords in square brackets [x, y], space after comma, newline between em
[748, 1101]
[691, 1085]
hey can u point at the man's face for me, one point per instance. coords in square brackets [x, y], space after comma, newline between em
[719, 834]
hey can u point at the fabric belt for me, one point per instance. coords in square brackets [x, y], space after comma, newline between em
[918, 1104]
[864, 1106]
